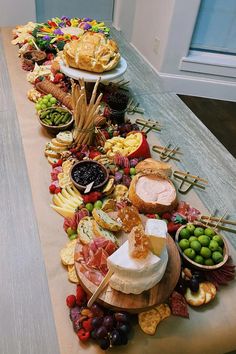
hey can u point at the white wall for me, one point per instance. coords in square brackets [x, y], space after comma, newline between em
[161, 30]
[16, 12]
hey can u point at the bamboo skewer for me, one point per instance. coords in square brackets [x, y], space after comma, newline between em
[221, 227]
[192, 183]
[223, 221]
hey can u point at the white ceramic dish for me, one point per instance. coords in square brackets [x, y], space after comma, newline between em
[76, 74]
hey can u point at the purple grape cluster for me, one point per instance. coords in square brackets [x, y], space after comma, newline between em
[110, 329]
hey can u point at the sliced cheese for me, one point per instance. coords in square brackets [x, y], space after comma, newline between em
[67, 213]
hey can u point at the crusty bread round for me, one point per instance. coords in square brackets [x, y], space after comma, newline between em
[92, 52]
[149, 207]
[150, 165]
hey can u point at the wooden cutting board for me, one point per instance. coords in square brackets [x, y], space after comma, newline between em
[117, 300]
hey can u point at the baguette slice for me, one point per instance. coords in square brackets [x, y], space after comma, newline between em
[51, 153]
[56, 148]
[99, 231]
[85, 230]
[105, 221]
[52, 160]
[58, 143]
[65, 137]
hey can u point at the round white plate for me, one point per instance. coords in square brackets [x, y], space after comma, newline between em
[76, 74]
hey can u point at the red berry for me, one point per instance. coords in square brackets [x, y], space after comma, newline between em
[59, 162]
[52, 188]
[86, 199]
[57, 190]
[126, 170]
[172, 227]
[74, 37]
[166, 216]
[58, 77]
[83, 335]
[71, 301]
[87, 325]
[80, 295]
[93, 154]
[151, 216]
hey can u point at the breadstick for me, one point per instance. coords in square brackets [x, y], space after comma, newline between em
[94, 93]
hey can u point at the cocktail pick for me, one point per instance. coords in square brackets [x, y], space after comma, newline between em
[166, 152]
[216, 222]
[189, 180]
[133, 107]
[148, 125]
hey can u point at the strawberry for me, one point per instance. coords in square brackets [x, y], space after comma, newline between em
[166, 216]
[80, 295]
[173, 227]
[58, 77]
[126, 170]
[86, 198]
[52, 188]
[83, 335]
[59, 162]
[151, 216]
[93, 154]
[71, 301]
[57, 190]
[87, 325]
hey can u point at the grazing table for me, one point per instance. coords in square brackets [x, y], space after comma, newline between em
[34, 285]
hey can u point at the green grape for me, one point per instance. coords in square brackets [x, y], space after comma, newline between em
[45, 100]
[38, 106]
[43, 106]
[53, 100]
[49, 104]
[49, 95]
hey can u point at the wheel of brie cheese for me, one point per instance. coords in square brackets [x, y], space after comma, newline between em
[152, 193]
[133, 276]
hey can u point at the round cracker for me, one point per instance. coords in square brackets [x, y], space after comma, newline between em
[197, 298]
[210, 291]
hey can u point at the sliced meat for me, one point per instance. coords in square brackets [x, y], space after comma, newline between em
[178, 305]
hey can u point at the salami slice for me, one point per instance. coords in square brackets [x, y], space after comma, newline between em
[178, 305]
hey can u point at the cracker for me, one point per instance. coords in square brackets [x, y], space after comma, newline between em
[72, 275]
[67, 253]
[148, 321]
[164, 310]
[210, 291]
[195, 299]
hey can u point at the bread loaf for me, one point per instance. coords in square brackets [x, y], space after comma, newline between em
[154, 167]
[92, 52]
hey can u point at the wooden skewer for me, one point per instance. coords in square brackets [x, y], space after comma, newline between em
[192, 176]
[219, 221]
[223, 221]
[100, 288]
[221, 227]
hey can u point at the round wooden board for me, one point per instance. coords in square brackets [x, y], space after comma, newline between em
[117, 300]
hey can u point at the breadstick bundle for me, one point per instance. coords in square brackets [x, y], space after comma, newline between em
[84, 114]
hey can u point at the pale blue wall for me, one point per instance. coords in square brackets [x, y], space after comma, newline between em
[215, 29]
[97, 9]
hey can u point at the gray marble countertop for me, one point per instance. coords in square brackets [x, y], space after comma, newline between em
[27, 323]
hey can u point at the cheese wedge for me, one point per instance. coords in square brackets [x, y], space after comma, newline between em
[157, 231]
